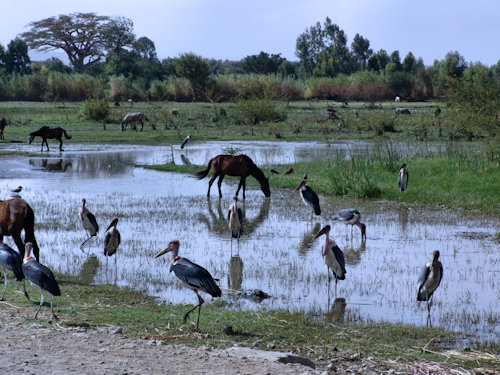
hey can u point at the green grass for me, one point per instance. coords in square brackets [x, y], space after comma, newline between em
[93, 306]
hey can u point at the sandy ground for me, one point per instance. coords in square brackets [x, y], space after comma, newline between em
[35, 349]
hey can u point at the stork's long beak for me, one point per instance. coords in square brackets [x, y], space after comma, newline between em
[325, 229]
[113, 223]
[164, 251]
[300, 185]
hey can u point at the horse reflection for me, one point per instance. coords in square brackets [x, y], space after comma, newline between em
[352, 255]
[58, 166]
[217, 221]
[337, 312]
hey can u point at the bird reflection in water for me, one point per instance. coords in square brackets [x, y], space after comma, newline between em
[235, 274]
[89, 269]
[337, 312]
[353, 254]
[185, 160]
[307, 239]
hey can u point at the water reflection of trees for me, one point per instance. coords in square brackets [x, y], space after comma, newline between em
[217, 221]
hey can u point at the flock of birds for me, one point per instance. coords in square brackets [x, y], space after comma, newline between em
[193, 275]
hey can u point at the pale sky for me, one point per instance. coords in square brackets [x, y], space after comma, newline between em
[233, 29]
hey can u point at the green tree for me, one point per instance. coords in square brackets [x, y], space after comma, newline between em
[16, 57]
[308, 47]
[118, 33]
[195, 69]
[382, 58]
[263, 63]
[82, 36]
[409, 63]
[361, 51]
[373, 64]
[396, 60]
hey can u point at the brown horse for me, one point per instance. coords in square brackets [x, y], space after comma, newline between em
[230, 165]
[3, 124]
[16, 215]
[52, 132]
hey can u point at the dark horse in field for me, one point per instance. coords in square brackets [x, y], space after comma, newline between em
[16, 215]
[230, 165]
[50, 132]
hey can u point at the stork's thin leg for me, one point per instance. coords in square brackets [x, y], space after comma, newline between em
[5, 289]
[24, 289]
[40, 307]
[52, 307]
[83, 243]
[200, 302]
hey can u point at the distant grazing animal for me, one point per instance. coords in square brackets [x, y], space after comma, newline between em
[3, 124]
[429, 279]
[186, 141]
[16, 215]
[231, 165]
[41, 276]
[403, 177]
[403, 111]
[397, 99]
[174, 112]
[131, 103]
[49, 132]
[133, 117]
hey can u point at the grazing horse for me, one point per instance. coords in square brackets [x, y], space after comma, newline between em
[231, 165]
[133, 117]
[16, 215]
[50, 132]
[3, 124]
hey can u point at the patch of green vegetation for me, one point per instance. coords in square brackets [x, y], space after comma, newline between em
[93, 306]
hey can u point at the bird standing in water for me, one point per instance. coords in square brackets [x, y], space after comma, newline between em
[429, 279]
[89, 222]
[11, 260]
[351, 216]
[235, 219]
[112, 239]
[403, 177]
[309, 197]
[186, 141]
[192, 276]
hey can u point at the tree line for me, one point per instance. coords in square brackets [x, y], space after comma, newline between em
[106, 50]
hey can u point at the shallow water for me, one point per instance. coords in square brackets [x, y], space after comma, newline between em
[274, 255]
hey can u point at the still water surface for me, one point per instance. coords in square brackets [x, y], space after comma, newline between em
[275, 254]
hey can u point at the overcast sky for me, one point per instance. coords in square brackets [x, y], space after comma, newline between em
[233, 29]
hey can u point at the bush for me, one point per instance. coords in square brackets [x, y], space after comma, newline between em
[257, 110]
[97, 110]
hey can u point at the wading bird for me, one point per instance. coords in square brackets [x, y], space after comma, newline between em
[309, 197]
[272, 170]
[351, 216]
[403, 177]
[235, 219]
[288, 171]
[334, 257]
[17, 189]
[429, 280]
[112, 239]
[192, 276]
[11, 260]
[186, 141]
[89, 222]
[41, 276]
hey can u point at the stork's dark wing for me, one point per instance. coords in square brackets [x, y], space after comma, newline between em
[424, 274]
[93, 221]
[196, 277]
[346, 214]
[42, 276]
[240, 218]
[107, 238]
[339, 255]
[11, 259]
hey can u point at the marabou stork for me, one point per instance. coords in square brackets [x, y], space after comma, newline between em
[235, 219]
[89, 222]
[334, 257]
[192, 275]
[186, 141]
[309, 197]
[403, 177]
[351, 216]
[17, 189]
[41, 276]
[112, 239]
[11, 260]
[429, 280]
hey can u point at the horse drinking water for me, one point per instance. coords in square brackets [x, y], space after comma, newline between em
[231, 165]
[49, 132]
[16, 215]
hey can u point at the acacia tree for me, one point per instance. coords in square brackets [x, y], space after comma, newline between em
[82, 36]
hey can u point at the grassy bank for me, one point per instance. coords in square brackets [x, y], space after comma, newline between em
[386, 345]
[455, 176]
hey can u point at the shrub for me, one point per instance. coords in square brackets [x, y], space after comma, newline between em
[256, 110]
[97, 110]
